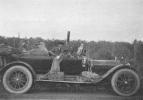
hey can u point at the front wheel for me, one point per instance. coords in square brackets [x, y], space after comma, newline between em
[17, 79]
[125, 82]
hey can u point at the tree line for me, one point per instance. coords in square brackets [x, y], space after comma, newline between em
[132, 52]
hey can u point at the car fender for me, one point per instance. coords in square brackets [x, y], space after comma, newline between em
[2, 70]
[112, 70]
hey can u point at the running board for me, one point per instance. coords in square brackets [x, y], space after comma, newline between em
[64, 81]
[68, 79]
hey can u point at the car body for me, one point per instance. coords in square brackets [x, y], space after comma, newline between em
[29, 68]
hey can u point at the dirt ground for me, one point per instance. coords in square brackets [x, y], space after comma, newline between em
[52, 91]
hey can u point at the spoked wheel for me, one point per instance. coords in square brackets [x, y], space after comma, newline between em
[17, 79]
[125, 82]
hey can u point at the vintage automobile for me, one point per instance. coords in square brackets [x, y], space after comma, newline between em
[20, 72]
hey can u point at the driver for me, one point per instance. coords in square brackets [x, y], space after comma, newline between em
[55, 68]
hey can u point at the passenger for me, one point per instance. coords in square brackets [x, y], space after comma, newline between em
[81, 50]
[41, 50]
[23, 47]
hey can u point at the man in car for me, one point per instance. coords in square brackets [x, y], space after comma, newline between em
[41, 50]
[54, 73]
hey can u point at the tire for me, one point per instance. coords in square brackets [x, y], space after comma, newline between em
[125, 82]
[17, 79]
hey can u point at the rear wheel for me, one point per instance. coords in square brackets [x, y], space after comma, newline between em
[17, 79]
[125, 82]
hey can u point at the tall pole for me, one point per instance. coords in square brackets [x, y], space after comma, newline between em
[68, 37]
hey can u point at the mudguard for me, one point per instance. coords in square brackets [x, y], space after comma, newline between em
[112, 70]
[2, 70]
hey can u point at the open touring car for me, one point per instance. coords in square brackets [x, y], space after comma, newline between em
[18, 73]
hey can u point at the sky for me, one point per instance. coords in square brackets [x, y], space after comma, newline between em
[91, 20]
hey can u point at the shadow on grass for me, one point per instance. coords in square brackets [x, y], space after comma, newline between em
[69, 88]
[42, 87]
[61, 88]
